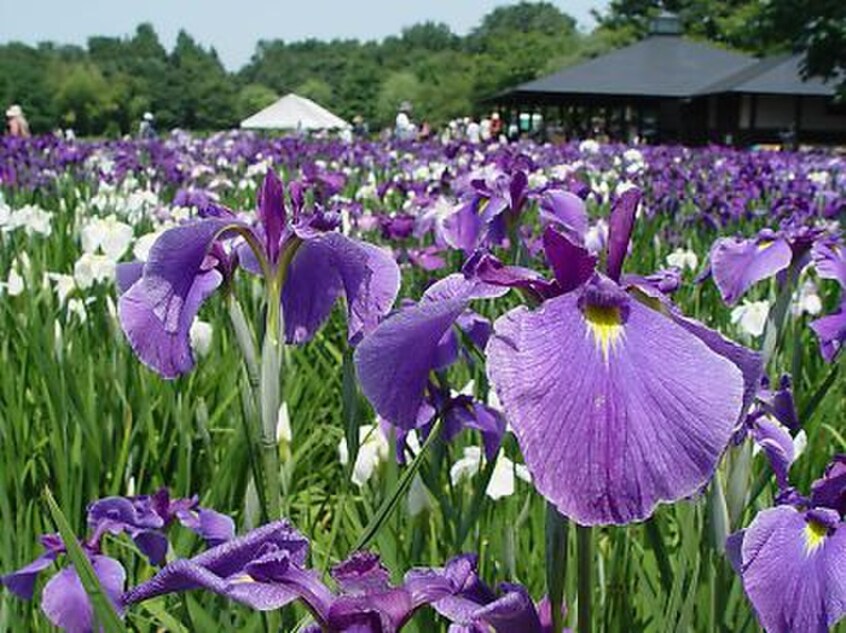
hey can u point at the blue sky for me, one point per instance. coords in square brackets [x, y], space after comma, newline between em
[234, 26]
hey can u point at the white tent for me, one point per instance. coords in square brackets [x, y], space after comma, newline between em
[293, 112]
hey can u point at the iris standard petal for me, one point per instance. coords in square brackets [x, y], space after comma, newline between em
[777, 444]
[614, 414]
[566, 210]
[792, 566]
[325, 267]
[394, 361]
[571, 263]
[620, 226]
[271, 212]
[737, 264]
[65, 602]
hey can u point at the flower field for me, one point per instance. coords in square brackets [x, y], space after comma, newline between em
[302, 385]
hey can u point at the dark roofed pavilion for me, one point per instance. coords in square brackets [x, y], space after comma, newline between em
[669, 88]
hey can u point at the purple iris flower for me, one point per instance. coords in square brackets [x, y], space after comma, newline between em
[473, 607]
[618, 401]
[144, 519]
[488, 204]
[63, 599]
[306, 263]
[791, 558]
[265, 570]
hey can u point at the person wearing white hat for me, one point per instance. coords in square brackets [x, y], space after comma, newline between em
[16, 122]
[145, 128]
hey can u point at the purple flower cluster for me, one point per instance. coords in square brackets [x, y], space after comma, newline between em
[266, 570]
[145, 520]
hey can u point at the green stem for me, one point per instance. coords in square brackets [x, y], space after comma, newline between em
[557, 527]
[584, 549]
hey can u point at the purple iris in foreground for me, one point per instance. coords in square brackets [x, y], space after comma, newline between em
[266, 570]
[792, 558]
[307, 267]
[64, 600]
[618, 402]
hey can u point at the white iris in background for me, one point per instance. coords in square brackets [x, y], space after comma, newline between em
[373, 449]
[33, 219]
[110, 236]
[14, 284]
[682, 258]
[751, 316]
[63, 285]
[502, 479]
[201, 337]
[806, 300]
[90, 269]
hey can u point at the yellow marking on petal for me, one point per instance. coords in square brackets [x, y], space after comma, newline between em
[815, 534]
[606, 326]
[242, 578]
[765, 245]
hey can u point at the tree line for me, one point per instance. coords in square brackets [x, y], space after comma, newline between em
[104, 87]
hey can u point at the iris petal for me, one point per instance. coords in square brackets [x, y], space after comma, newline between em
[607, 439]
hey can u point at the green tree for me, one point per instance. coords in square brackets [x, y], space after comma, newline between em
[252, 98]
[317, 90]
[818, 29]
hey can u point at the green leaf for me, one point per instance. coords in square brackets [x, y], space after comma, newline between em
[103, 610]
[389, 505]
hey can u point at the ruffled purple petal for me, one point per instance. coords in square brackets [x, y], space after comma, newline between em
[65, 602]
[327, 266]
[644, 420]
[222, 569]
[738, 264]
[156, 312]
[22, 581]
[394, 361]
[792, 569]
[362, 572]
